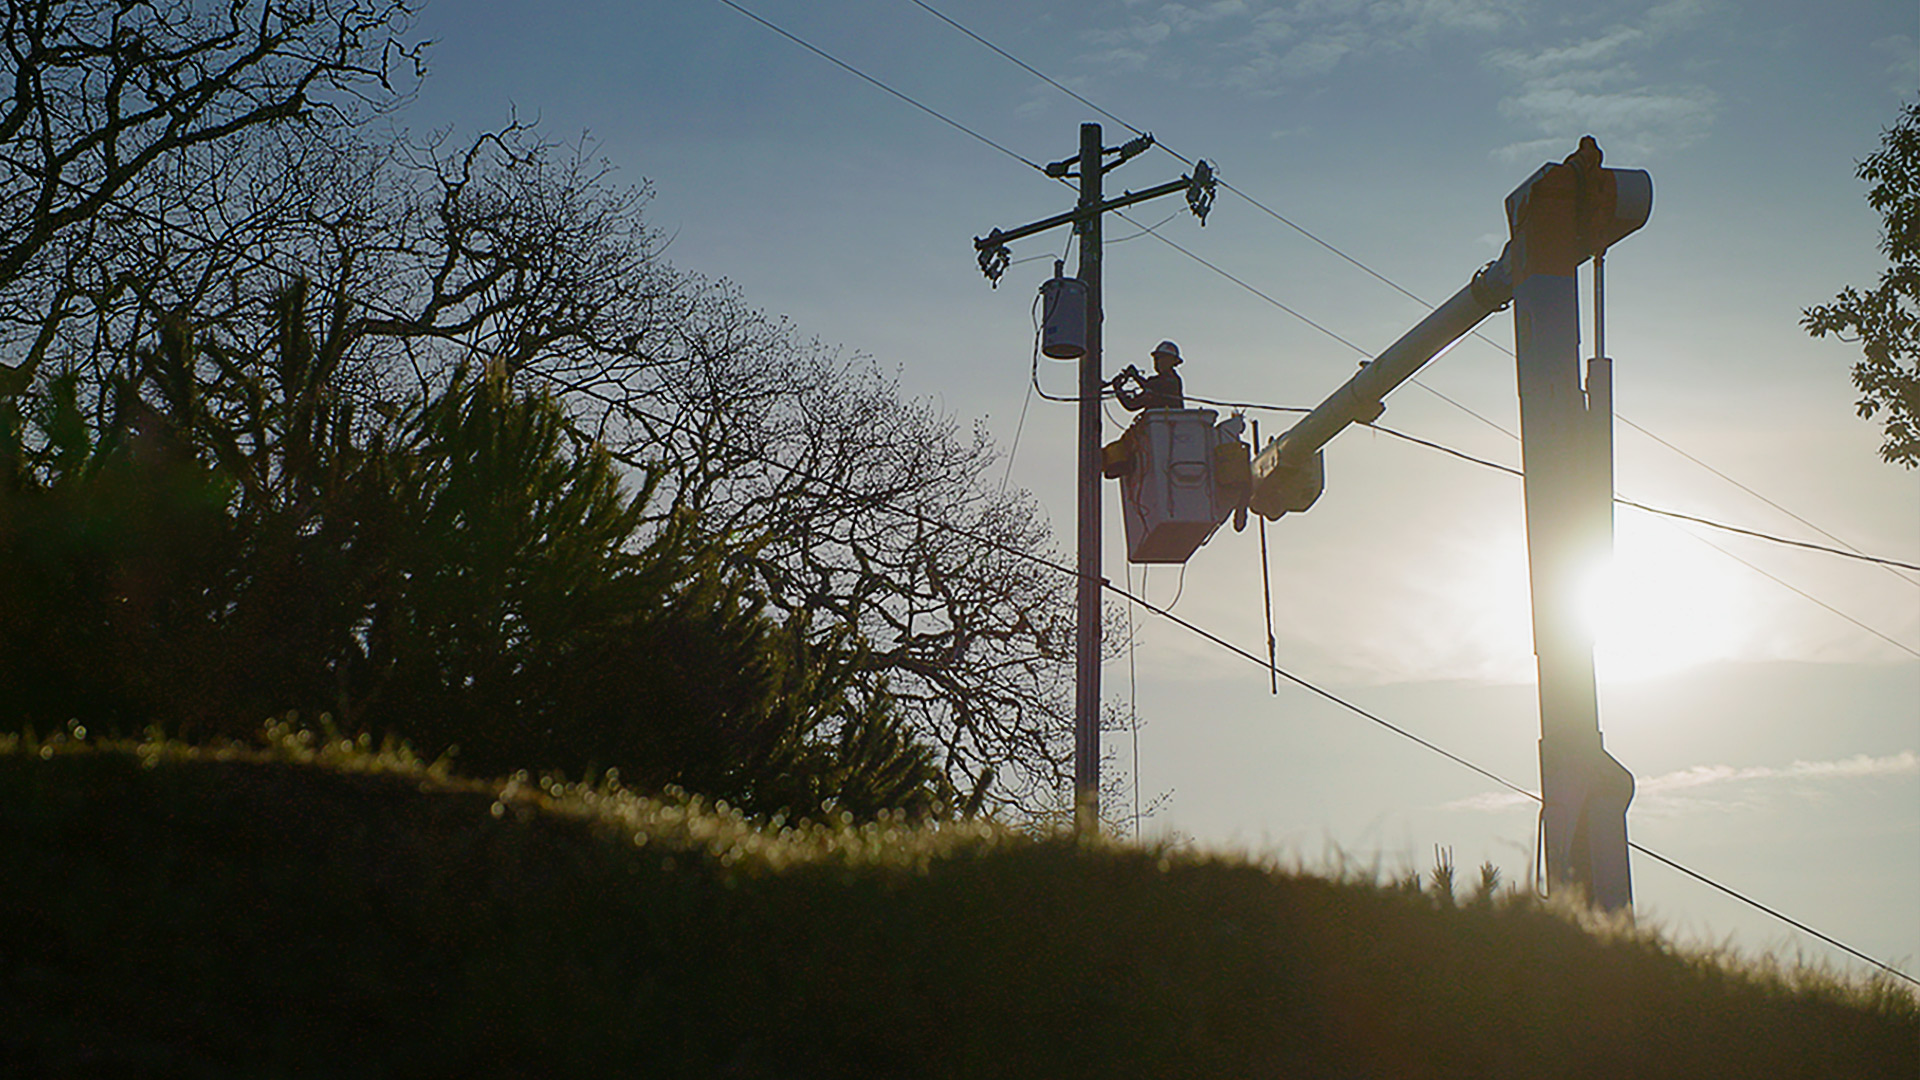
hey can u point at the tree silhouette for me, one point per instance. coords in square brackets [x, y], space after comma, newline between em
[1886, 320]
[280, 291]
[463, 570]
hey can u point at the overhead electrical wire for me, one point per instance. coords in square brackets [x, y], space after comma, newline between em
[856, 72]
[1644, 508]
[1749, 490]
[1845, 553]
[1269, 298]
[1243, 283]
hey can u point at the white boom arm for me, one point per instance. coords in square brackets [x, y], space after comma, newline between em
[1287, 473]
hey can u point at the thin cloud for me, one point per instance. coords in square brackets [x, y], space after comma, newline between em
[1563, 61]
[1592, 86]
[1489, 802]
[1691, 788]
[1260, 48]
[1903, 74]
[1860, 765]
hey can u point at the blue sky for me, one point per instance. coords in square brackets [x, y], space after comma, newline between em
[1774, 740]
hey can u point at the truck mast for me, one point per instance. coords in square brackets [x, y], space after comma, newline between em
[1563, 215]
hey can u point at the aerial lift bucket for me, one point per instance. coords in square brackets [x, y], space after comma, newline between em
[1181, 475]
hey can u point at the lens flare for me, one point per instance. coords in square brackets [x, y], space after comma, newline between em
[1661, 604]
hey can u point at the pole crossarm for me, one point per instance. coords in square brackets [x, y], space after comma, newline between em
[992, 248]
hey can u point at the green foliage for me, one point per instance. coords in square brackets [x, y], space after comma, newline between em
[234, 538]
[325, 909]
[1886, 320]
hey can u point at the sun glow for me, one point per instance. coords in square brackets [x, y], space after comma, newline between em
[1663, 603]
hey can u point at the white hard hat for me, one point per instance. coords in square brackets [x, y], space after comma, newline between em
[1168, 349]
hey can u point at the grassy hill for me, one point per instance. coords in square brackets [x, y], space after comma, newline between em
[319, 908]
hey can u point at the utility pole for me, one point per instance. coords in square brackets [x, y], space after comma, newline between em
[1085, 217]
[1086, 637]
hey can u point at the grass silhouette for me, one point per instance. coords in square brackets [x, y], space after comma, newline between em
[317, 906]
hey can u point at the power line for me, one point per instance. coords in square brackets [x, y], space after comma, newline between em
[1788, 919]
[1845, 553]
[1037, 73]
[1776, 579]
[1748, 490]
[1250, 288]
[1644, 508]
[1317, 326]
[851, 70]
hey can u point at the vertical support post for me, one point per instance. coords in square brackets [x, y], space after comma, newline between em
[1086, 684]
[1559, 217]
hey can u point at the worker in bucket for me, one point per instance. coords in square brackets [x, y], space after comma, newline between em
[1161, 390]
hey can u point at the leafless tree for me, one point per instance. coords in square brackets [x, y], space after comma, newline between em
[856, 505]
[133, 138]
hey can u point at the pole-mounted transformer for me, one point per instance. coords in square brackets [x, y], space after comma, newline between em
[1063, 315]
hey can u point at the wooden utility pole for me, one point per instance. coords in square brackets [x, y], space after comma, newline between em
[1086, 638]
[1085, 217]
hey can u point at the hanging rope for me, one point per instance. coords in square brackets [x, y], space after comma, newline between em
[1266, 591]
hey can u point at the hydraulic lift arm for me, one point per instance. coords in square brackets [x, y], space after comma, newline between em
[1563, 215]
[1287, 472]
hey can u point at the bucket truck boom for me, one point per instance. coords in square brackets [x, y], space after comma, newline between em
[1563, 214]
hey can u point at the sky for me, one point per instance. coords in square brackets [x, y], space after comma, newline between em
[1766, 698]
